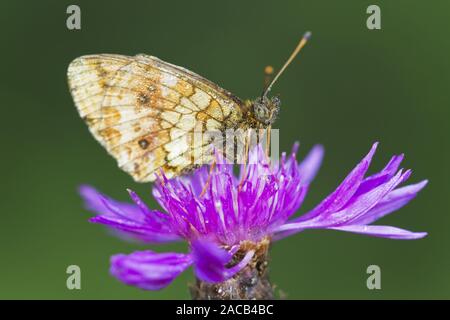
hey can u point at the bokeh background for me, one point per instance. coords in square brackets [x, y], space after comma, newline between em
[350, 87]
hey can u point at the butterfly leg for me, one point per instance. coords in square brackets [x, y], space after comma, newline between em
[246, 153]
[269, 130]
[208, 181]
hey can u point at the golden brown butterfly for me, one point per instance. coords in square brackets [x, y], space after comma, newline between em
[146, 112]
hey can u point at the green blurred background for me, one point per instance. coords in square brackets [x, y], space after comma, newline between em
[350, 87]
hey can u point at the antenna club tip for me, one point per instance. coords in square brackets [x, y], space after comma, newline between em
[307, 35]
[268, 70]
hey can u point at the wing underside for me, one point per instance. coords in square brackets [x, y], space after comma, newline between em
[150, 114]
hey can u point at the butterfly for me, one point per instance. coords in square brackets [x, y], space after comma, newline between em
[146, 112]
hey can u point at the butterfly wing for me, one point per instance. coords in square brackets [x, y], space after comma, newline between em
[149, 114]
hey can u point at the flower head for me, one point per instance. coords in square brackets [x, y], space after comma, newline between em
[235, 211]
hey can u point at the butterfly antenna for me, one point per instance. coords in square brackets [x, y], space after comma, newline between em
[299, 47]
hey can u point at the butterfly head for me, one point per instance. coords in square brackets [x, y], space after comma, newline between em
[265, 110]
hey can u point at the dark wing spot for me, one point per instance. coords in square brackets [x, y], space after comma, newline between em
[142, 98]
[143, 143]
[190, 168]
[101, 72]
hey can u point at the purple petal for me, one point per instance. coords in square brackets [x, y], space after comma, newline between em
[344, 192]
[350, 214]
[149, 270]
[311, 163]
[364, 202]
[97, 202]
[136, 220]
[374, 198]
[197, 180]
[393, 164]
[381, 177]
[136, 230]
[393, 201]
[210, 261]
[382, 232]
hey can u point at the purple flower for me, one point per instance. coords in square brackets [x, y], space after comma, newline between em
[235, 211]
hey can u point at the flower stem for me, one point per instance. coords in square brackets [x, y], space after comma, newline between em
[251, 283]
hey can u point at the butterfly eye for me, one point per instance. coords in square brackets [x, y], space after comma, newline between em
[259, 111]
[276, 101]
